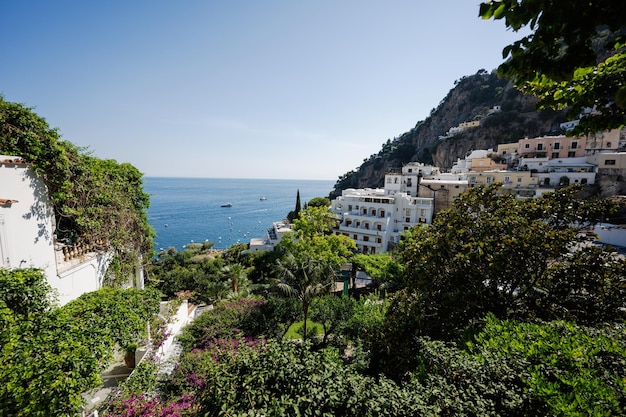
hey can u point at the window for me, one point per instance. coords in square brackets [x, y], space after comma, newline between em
[540, 146]
[557, 145]
[407, 212]
[527, 146]
[608, 144]
[489, 179]
[555, 155]
[389, 180]
[519, 179]
[507, 180]
[571, 154]
[609, 162]
[574, 145]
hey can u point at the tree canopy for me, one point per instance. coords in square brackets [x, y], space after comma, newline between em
[574, 57]
[496, 253]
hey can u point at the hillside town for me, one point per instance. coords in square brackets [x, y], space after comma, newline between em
[376, 218]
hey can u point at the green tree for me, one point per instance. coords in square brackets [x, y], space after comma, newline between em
[332, 312]
[313, 235]
[495, 253]
[574, 56]
[382, 267]
[305, 277]
[319, 202]
[292, 215]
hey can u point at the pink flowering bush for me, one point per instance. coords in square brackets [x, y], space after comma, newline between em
[227, 320]
[142, 405]
[194, 369]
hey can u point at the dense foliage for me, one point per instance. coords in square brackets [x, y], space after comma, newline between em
[517, 259]
[574, 56]
[51, 355]
[508, 369]
[97, 202]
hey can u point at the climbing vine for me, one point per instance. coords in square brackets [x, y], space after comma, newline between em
[98, 203]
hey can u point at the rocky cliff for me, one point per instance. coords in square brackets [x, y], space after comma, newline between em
[473, 98]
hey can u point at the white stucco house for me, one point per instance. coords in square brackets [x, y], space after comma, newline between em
[27, 235]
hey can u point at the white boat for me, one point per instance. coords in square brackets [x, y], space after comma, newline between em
[227, 205]
[263, 198]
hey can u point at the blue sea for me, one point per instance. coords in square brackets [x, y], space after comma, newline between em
[184, 210]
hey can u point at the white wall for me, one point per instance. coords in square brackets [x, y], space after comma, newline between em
[27, 235]
[26, 231]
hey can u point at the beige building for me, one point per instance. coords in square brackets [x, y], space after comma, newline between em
[552, 147]
[508, 179]
[443, 189]
[486, 164]
[605, 141]
[507, 150]
[608, 160]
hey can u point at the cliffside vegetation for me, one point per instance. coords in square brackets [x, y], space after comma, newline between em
[98, 203]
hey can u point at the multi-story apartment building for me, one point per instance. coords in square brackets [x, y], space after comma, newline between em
[552, 147]
[508, 179]
[375, 219]
[407, 179]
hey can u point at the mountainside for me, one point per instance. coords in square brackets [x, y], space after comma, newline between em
[471, 99]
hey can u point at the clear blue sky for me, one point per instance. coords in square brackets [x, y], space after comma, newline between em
[240, 89]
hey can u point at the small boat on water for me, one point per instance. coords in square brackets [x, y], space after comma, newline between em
[227, 205]
[263, 198]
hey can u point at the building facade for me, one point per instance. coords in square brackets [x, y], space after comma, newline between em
[552, 147]
[375, 219]
[27, 235]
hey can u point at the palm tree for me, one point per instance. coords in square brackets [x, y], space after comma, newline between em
[305, 278]
[237, 275]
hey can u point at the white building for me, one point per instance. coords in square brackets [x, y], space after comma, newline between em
[567, 171]
[407, 180]
[375, 219]
[27, 237]
[272, 237]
